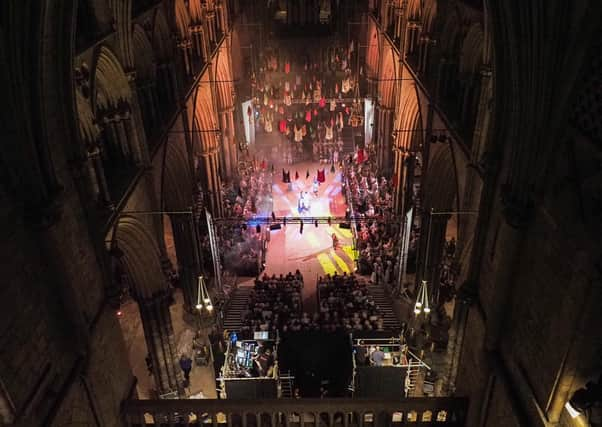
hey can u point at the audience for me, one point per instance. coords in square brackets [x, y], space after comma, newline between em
[274, 305]
[345, 305]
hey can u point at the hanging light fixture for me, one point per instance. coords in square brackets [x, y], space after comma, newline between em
[203, 298]
[422, 300]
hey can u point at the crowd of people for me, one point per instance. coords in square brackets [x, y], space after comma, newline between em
[307, 99]
[242, 246]
[372, 200]
[274, 305]
[346, 305]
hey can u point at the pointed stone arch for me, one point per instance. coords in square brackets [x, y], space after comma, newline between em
[429, 16]
[138, 250]
[122, 21]
[196, 11]
[110, 87]
[182, 16]
[387, 78]
[205, 143]
[225, 107]
[177, 191]
[440, 194]
[141, 255]
[88, 129]
[373, 55]
[414, 10]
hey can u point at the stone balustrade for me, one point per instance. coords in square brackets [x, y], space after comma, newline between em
[297, 412]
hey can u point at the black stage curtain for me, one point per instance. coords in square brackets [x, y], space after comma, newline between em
[317, 359]
[379, 382]
[256, 388]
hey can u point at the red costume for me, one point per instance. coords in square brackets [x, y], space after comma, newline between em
[308, 116]
[321, 176]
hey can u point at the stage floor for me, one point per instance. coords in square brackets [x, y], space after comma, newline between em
[311, 252]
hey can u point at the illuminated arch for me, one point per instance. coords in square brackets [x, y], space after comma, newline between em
[429, 16]
[177, 193]
[410, 117]
[182, 19]
[88, 130]
[373, 55]
[196, 11]
[387, 79]
[110, 84]
[223, 76]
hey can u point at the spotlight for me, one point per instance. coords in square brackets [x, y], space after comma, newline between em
[258, 228]
[119, 313]
[316, 223]
[199, 306]
[209, 307]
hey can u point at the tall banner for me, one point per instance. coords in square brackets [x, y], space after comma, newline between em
[405, 246]
[214, 254]
[368, 120]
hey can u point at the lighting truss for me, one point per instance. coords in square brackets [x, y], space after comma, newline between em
[306, 219]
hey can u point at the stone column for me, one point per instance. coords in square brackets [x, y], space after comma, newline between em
[509, 238]
[160, 341]
[138, 136]
[97, 170]
[183, 235]
[185, 46]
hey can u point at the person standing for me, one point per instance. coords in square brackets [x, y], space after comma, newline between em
[377, 357]
[186, 366]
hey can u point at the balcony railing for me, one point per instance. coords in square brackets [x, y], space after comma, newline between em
[297, 412]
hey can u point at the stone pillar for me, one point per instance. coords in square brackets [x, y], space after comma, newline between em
[383, 146]
[138, 136]
[185, 46]
[509, 238]
[96, 169]
[160, 341]
[183, 235]
[456, 337]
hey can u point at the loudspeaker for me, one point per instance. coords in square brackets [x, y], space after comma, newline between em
[275, 227]
[345, 225]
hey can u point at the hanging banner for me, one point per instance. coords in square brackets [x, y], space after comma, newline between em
[368, 120]
[214, 253]
[405, 246]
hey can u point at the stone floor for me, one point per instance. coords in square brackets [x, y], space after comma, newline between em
[201, 377]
